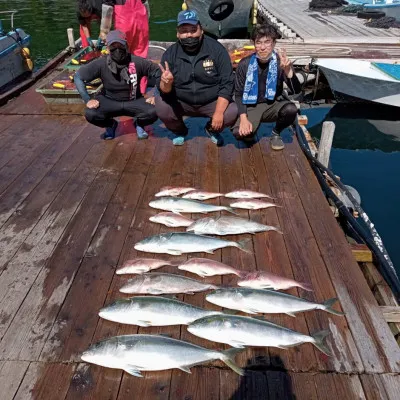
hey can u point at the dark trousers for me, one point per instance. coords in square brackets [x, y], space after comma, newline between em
[144, 113]
[282, 112]
[171, 114]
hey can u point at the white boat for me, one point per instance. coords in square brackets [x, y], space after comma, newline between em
[14, 53]
[234, 25]
[390, 7]
[362, 79]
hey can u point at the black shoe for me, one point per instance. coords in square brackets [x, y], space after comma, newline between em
[109, 134]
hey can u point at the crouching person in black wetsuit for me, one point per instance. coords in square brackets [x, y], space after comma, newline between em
[121, 73]
[197, 80]
[259, 86]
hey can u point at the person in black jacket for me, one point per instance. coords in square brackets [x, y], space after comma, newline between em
[197, 80]
[120, 73]
[259, 85]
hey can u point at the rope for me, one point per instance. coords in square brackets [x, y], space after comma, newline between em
[384, 23]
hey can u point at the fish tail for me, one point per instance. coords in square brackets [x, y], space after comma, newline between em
[243, 245]
[319, 338]
[228, 357]
[276, 230]
[305, 286]
[327, 306]
[243, 274]
[231, 210]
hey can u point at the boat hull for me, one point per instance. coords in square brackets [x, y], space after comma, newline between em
[390, 9]
[12, 62]
[235, 24]
[373, 86]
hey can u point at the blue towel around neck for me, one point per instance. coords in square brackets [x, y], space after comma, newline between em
[250, 92]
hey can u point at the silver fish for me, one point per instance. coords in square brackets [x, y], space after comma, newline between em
[171, 219]
[201, 195]
[158, 283]
[179, 205]
[173, 191]
[153, 311]
[253, 301]
[135, 353]
[141, 265]
[253, 204]
[206, 267]
[246, 194]
[228, 226]
[267, 280]
[239, 331]
[177, 243]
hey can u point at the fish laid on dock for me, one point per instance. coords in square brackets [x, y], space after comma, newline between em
[267, 280]
[206, 267]
[238, 331]
[141, 265]
[135, 353]
[201, 195]
[253, 301]
[252, 204]
[228, 226]
[153, 311]
[159, 283]
[172, 220]
[180, 205]
[178, 243]
[173, 191]
[246, 194]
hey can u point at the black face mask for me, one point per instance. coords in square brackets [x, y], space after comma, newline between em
[118, 55]
[191, 44]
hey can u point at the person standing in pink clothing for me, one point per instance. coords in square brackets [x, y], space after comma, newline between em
[130, 17]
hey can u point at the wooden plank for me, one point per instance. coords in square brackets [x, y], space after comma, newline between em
[325, 387]
[308, 266]
[32, 144]
[85, 385]
[11, 375]
[157, 176]
[231, 178]
[348, 386]
[254, 385]
[28, 331]
[392, 385]
[17, 279]
[272, 255]
[304, 386]
[46, 381]
[361, 253]
[391, 314]
[78, 317]
[377, 347]
[279, 385]
[20, 218]
[155, 386]
[202, 383]
[374, 389]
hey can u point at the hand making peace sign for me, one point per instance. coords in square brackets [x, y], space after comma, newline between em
[166, 75]
[286, 64]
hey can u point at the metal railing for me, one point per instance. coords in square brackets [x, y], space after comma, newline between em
[12, 12]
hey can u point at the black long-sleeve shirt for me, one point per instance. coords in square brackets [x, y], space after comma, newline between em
[115, 86]
[240, 79]
[200, 79]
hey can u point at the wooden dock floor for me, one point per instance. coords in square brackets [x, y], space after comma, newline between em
[71, 209]
[311, 24]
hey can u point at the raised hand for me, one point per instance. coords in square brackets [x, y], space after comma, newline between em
[286, 64]
[166, 74]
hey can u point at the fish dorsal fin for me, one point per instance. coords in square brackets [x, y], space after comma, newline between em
[185, 369]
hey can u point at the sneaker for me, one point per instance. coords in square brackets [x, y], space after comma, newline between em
[178, 141]
[141, 133]
[277, 142]
[109, 134]
[215, 137]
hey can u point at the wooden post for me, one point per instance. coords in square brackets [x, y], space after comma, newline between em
[255, 7]
[71, 39]
[325, 146]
